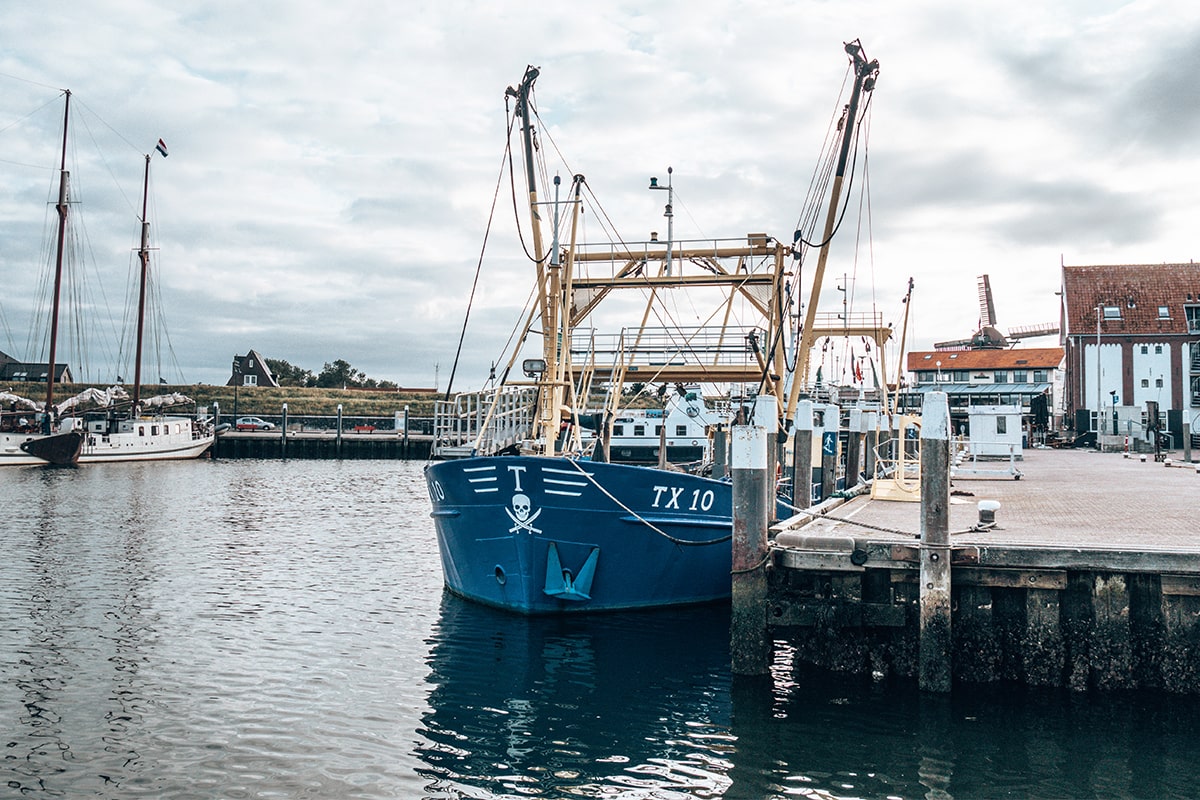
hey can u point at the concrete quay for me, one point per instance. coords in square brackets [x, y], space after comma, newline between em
[1088, 579]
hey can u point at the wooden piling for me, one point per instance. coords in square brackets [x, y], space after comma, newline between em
[802, 456]
[935, 633]
[870, 424]
[829, 450]
[339, 429]
[766, 414]
[720, 452]
[283, 432]
[853, 447]
[749, 645]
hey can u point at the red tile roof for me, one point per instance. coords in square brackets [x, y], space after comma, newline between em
[1017, 358]
[1137, 290]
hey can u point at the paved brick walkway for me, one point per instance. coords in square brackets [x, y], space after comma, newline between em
[1066, 498]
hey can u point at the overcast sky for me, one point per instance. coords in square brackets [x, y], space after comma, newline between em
[332, 165]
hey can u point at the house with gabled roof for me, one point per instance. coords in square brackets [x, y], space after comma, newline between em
[1132, 337]
[251, 370]
[14, 371]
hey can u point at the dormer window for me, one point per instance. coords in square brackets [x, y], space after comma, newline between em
[1112, 312]
[1164, 312]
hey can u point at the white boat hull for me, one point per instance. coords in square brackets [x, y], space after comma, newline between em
[144, 439]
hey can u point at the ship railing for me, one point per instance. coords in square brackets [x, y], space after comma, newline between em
[484, 422]
[655, 346]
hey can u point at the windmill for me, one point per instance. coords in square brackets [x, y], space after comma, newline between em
[989, 337]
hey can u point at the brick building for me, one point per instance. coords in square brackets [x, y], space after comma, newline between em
[1132, 336]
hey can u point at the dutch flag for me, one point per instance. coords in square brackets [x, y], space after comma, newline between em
[162, 148]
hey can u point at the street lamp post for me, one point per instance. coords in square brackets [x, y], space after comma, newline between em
[670, 214]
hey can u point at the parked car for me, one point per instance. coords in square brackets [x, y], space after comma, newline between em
[253, 424]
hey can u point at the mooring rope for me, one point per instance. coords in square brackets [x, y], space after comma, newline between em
[643, 520]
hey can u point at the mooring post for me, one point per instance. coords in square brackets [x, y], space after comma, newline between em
[720, 452]
[802, 445]
[870, 426]
[749, 647]
[283, 433]
[216, 421]
[1187, 442]
[338, 446]
[935, 641]
[853, 446]
[830, 421]
[406, 431]
[766, 414]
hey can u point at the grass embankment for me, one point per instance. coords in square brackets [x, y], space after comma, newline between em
[264, 400]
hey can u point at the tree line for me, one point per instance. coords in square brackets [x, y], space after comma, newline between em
[335, 375]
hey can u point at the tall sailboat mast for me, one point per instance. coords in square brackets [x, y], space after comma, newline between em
[63, 180]
[865, 73]
[144, 258]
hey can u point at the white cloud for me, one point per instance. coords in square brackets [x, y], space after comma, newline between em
[333, 166]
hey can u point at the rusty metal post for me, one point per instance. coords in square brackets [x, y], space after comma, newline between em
[749, 645]
[802, 447]
[935, 638]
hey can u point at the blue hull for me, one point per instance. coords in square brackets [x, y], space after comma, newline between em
[550, 536]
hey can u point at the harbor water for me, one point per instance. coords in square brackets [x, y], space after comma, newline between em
[278, 629]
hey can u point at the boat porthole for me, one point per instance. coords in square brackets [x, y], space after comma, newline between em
[501, 578]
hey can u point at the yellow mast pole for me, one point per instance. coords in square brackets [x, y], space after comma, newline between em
[864, 81]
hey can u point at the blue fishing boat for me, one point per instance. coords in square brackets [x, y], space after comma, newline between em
[531, 512]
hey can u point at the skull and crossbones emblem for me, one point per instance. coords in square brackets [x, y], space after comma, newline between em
[520, 514]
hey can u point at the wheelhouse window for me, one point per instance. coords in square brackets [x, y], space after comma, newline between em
[639, 430]
[681, 430]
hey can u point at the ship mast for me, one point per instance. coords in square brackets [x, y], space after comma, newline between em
[549, 282]
[144, 258]
[63, 180]
[865, 73]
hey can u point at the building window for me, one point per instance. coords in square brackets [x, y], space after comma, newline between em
[1164, 312]
[681, 430]
[1020, 376]
[1193, 318]
[960, 376]
[1158, 383]
[1145, 383]
[1112, 312]
[1040, 376]
[250, 380]
[1001, 425]
[926, 377]
[1158, 349]
[1145, 349]
[250, 363]
[1000, 376]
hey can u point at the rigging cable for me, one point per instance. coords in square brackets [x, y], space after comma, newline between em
[506, 158]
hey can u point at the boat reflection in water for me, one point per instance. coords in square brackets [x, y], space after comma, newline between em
[587, 707]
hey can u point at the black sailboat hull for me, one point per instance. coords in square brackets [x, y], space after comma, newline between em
[60, 448]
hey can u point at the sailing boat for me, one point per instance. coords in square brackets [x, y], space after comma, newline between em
[142, 433]
[525, 521]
